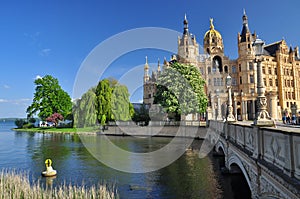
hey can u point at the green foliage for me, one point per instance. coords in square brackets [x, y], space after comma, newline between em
[84, 111]
[103, 103]
[20, 123]
[108, 101]
[121, 107]
[49, 98]
[32, 120]
[180, 90]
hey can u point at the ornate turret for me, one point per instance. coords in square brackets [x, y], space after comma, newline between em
[158, 66]
[245, 30]
[186, 26]
[188, 48]
[146, 71]
[213, 42]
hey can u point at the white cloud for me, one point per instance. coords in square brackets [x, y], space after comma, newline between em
[38, 77]
[45, 52]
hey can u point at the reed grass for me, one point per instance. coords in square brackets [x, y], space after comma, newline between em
[16, 185]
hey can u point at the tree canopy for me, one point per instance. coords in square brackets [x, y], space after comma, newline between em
[108, 101]
[49, 98]
[180, 90]
[84, 110]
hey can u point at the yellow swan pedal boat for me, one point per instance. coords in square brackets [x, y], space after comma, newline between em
[49, 170]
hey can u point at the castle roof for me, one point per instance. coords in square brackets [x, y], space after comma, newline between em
[212, 32]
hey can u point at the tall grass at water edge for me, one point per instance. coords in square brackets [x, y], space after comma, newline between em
[16, 185]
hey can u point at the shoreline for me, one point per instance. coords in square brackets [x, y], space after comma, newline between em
[124, 131]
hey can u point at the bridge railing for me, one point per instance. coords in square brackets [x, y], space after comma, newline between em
[278, 147]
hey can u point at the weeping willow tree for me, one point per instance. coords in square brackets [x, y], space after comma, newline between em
[85, 112]
[121, 107]
[108, 101]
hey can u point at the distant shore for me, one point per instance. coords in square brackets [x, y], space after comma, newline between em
[87, 130]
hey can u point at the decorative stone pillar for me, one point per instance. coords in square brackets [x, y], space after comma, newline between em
[235, 104]
[219, 113]
[230, 116]
[213, 110]
[262, 118]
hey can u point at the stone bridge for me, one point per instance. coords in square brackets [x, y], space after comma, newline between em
[269, 158]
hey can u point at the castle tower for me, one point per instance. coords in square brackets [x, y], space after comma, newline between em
[246, 71]
[245, 39]
[188, 48]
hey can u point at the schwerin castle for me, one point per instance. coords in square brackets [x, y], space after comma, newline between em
[280, 67]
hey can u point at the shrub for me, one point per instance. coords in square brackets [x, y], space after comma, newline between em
[20, 123]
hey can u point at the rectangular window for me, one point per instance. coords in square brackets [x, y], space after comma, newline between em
[270, 82]
[233, 68]
[275, 71]
[251, 79]
[241, 80]
[276, 82]
[250, 66]
[265, 81]
[263, 70]
[270, 70]
[240, 68]
[234, 81]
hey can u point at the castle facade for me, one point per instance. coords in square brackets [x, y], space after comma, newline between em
[280, 66]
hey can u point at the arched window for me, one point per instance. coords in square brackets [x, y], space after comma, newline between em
[217, 63]
[226, 69]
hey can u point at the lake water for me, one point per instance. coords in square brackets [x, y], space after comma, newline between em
[187, 177]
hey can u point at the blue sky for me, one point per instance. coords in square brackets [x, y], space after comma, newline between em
[54, 37]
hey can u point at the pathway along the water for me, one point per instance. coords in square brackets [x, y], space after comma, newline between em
[187, 177]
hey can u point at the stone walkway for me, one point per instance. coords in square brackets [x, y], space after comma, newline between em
[279, 126]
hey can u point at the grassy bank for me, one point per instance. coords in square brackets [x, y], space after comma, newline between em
[16, 186]
[59, 130]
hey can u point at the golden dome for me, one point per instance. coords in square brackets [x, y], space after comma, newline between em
[212, 32]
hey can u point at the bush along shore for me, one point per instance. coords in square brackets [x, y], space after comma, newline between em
[16, 185]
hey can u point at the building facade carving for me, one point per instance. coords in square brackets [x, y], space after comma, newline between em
[280, 66]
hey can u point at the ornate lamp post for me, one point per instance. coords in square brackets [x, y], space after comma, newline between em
[230, 116]
[262, 117]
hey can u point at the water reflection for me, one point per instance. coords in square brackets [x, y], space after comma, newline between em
[187, 177]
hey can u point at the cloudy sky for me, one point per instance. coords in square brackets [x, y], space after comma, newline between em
[55, 37]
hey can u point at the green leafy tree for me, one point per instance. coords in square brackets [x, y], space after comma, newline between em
[122, 109]
[103, 103]
[180, 90]
[20, 123]
[84, 111]
[49, 98]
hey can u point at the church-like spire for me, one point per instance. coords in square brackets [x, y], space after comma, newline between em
[158, 66]
[245, 28]
[146, 71]
[186, 26]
